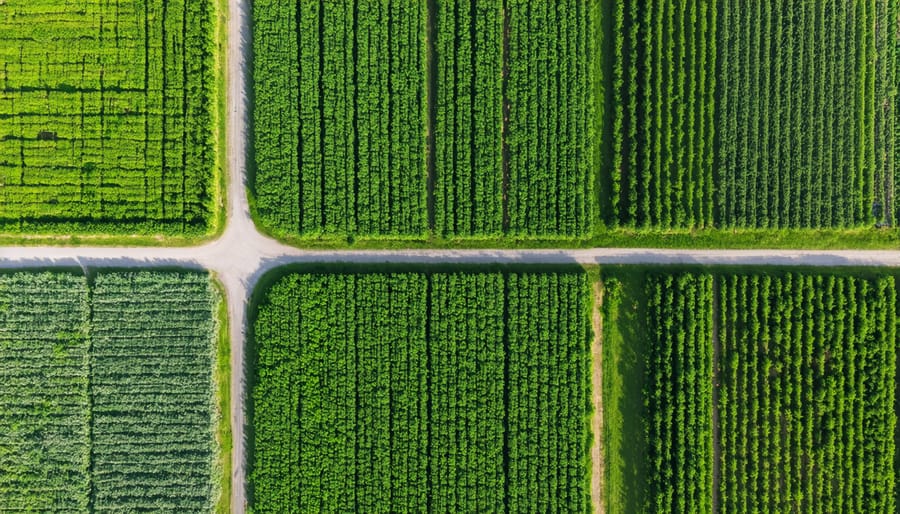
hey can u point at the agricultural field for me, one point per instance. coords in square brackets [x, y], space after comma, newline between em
[413, 391]
[107, 113]
[107, 395]
[339, 116]
[751, 391]
[517, 120]
[770, 115]
[513, 150]
[465, 120]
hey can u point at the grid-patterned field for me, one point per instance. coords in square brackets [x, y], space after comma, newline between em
[106, 116]
[106, 392]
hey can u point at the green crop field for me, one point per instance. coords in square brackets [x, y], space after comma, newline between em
[106, 117]
[764, 115]
[106, 392]
[513, 149]
[339, 116]
[516, 121]
[349, 93]
[418, 391]
[749, 391]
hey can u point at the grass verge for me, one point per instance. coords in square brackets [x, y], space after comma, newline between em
[806, 239]
[223, 401]
[623, 351]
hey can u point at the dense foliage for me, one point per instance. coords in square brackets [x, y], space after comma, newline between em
[678, 393]
[807, 379]
[106, 116]
[759, 391]
[408, 392]
[468, 124]
[771, 114]
[106, 392]
[347, 99]
[339, 116]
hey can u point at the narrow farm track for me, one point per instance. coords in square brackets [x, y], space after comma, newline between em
[242, 255]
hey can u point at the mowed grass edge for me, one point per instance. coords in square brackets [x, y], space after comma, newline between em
[222, 375]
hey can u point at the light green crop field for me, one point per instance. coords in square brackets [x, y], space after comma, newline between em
[107, 393]
[106, 116]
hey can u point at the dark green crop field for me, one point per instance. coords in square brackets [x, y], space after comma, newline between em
[106, 117]
[751, 391]
[654, 122]
[107, 392]
[403, 120]
[765, 115]
[421, 391]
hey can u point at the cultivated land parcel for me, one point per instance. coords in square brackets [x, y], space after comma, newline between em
[106, 117]
[107, 388]
[517, 121]
[757, 390]
[462, 391]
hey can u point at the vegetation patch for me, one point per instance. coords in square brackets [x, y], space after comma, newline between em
[108, 392]
[416, 391]
[405, 119]
[106, 117]
[749, 390]
[770, 115]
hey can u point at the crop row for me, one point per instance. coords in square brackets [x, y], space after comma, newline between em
[468, 124]
[106, 392]
[452, 392]
[549, 134]
[796, 115]
[44, 395]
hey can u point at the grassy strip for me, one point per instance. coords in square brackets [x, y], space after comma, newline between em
[220, 122]
[223, 400]
[809, 239]
[624, 346]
